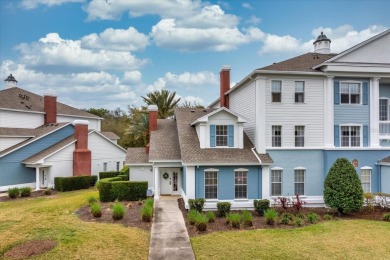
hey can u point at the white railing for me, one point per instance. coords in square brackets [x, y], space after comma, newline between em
[384, 128]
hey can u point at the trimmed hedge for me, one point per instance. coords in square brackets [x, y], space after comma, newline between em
[94, 179]
[72, 183]
[111, 189]
[124, 174]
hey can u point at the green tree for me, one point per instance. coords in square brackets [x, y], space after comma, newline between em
[101, 112]
[138, 127]
[343, 190]
[164, 100]
[189, 104]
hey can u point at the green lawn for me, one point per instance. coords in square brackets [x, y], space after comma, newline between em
[338, 239]
[54, 218]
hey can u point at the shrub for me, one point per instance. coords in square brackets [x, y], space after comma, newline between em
[192, 216]
[343, 190]
[47, 192]
[201, 221]
[270, 216]
[261, 206]
[234, 220]
[300, 215]
[312, 217]
[146, 213]
[92, 200]
[13, 192]
[96, 210]
[72, 183]
[25, 191]
[196, 204]
[328, 217]
[247, 218]
[111, 174]
[94, 179]
[223, 208]
[298, 222]
[149, 203]
[286, 218]
[386, 217]
[369, 200]
[284, 202]
[210, 216]
[118, 211]
[111, 189]
[298, 203]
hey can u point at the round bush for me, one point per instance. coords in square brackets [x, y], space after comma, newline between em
[118, 211]
[343, 190]
[13, 193]
[96, 210]
[25, 191]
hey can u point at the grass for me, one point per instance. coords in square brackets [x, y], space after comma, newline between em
[54, 218]
[342, 239]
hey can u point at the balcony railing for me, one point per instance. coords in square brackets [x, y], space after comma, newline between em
[384, 129]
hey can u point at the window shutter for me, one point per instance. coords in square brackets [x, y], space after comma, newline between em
[212, 135]
[365, 93]
[336, 92]
[336, 135]
[231, 135]
[365, 136]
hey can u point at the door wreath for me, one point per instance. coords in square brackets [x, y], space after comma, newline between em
[165, 176]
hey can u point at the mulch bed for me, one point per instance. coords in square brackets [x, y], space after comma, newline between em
[34, 194]
[29, 249]
[260, 223]
[132, 216]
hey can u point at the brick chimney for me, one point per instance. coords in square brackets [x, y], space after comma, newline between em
[153, 109]
[50, 107]
[81, 154]
[224, 79]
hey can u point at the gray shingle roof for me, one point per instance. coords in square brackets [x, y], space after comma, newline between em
[110, 135]
[191, 153]
[137, 156]
[164, 142]
[20, 99]
[303, 62]
[10, 131]
[385, 160]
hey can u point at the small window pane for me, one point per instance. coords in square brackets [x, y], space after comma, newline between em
[211, 185]
[221, 135]
[276, 91]
[365, 178]
[299, 182]
[276, 183]
[276, 136]
[299, 136]
[240, 185]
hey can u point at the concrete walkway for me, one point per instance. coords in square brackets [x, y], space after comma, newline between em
[169, 236]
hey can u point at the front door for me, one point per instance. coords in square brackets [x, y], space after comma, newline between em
[169, 181]
[44, 177]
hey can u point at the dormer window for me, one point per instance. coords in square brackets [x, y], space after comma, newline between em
[221, 135]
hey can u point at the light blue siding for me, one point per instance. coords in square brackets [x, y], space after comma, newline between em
[385, 179]
[348, 114]
[13, 172]
[184, 179]
[312, 160]
[226, 181]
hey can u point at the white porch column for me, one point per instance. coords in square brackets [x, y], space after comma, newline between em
[260, 119]
[156, 182]
[265, 182]
[37, 178]
[190, 182]
[374, 112]
[329, 112]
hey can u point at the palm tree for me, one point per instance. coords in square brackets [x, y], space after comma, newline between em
[139, 127]
[164, 100]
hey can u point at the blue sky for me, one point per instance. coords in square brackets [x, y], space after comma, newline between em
[108, 53]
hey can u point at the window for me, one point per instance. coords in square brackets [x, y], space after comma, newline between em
[211, 184]
[105, 167]
[383, 109]
[221, 135]
[365, 178]
[299, 136]
[299, 91]
[350, 136]
[299, 182]
[276, 136]
[276, 182]
[118, 164]
[276, 91]
[240, 185]
[350, 93]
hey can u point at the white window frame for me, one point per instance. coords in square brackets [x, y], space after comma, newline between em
[246, 184]
[304, 180]
[299, 92]
[227, 136]
[105, 166]
[281, 181]
[349, 92]
[387, 108]
[360, 131]
[274, 136]
[369, 169]
[276, 92]
[298, 136]
[216, 171]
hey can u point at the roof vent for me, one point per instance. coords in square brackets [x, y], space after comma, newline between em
[205, 110]
[192, 111]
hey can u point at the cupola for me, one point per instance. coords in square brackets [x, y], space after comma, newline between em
[322, 44]
[10, 82]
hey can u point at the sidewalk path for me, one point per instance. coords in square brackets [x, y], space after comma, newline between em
[169, 236]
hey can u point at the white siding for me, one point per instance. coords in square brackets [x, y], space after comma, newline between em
[93, 123]
[104, 151]
[21, 119]
[142, 173]
[6, 142]
[61, 164]
[242, 102]
[288, 114]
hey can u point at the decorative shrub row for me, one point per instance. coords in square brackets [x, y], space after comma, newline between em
[72, 183]
[124, 174]
[200, 220]
[196, 204]
[14, 192]
[235, 219]
[111, 189]
[223, 208]
[261, 206]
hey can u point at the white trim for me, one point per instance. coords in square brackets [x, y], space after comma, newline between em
[6, 187]
[300, 168]
[366, 168]
[370, 172]
[226, 164]
[360, 83]
[205, 118]
[361, 135]
[255, 153]
[90, 117]
[246, 176]
[138, 164]
[281, 181]
[241, 170]
[276, 168]
[22, 111]
[211, 170]
[17, 136]
[304, 179]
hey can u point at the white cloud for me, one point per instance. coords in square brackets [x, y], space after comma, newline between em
[53, 52]
[134, 76]
[253, 20]
[31, 4]
[276, 44]
[247, 6]
[116, 40]
[159, 84]
[188, 79]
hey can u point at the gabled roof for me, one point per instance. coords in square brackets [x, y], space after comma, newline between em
[164, 142]
[19, 99]
[137, 156]
[17, 132]
[204, 118]
[110, 135]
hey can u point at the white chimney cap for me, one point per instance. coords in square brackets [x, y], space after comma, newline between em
[80, 122]
[152, 108]
[225, 67]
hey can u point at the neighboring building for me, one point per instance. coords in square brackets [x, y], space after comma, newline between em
[279, 130]
[41, 139]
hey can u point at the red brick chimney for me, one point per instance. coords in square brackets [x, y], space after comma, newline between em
[50, 107]
[224, 79]
[81, 154]
[153, 109]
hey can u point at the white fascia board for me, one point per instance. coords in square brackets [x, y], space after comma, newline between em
[205, 118]
[40, 161]
[357, 69]
[22, 111]
[17, 136]
[101, 135]
[138, 164]
[224, 164]
[165, 161]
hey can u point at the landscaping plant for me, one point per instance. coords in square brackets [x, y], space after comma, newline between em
[369, 200]
[47, 192]
[196, 204]
[192, 213]
[146, 213]
[13, 192]
[386, 217]
[201, 221]
[118, 211]
[313, 217]
[223, 208]
[286, 218]
[343, 190]
[298, 222]
[298, 203]
[261, 206]
[270, 216]
[328, 217]
[92, 200]
[234, 219]
[25, 191]
[247, 218]
[210, 216]
[149, 202]
[96, 210]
